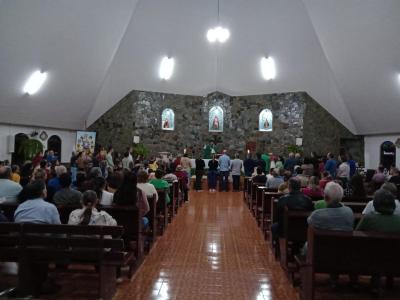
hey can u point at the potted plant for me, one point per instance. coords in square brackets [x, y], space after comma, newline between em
[141, 150]
[29, 148]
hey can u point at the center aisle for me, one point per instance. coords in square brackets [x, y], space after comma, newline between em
[212, 250]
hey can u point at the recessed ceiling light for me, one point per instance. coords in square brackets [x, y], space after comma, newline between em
[166, 68]
[268, 69]
[34, 82]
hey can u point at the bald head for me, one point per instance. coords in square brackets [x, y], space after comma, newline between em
[5, 172]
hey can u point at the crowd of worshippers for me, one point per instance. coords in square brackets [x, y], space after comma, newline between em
[331, 180]
[38, 187]
[94, 180]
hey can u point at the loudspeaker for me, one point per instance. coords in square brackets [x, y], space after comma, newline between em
[10, 143]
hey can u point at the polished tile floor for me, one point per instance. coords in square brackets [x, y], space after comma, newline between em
[212, 250]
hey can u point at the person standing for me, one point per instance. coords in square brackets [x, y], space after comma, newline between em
[265, 157]
[187, 166]
[259, 162]
[248, 165]
[212, 174]
[331, 165]
[224, 163]
[126, 161]
[200, 165]
[236, 168]
[290, 163]
[109, 157]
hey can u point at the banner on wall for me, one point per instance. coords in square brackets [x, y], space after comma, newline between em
[85, 141]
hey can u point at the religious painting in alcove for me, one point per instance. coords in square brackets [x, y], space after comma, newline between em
[216, 119]
[265, 120]
[167, 119]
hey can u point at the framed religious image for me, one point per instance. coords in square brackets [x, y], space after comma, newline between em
[85, 141]
[265, 120]
[216, 119]
[167, 119]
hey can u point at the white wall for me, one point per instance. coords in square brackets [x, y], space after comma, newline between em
[67, 139]
[372, 149]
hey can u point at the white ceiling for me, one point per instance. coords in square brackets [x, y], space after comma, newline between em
[344, 53]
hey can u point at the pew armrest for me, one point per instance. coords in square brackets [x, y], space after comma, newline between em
[301, 261]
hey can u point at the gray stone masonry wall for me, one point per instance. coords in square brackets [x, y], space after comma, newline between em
[295, 115]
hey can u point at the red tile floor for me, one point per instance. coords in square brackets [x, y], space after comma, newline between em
[212, 250]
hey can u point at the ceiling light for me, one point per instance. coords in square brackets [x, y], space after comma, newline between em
[35, 82]
[166, 68]
[211, 35]
[219, 34]
[268, 69]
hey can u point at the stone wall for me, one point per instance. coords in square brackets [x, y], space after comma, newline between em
[295, 115]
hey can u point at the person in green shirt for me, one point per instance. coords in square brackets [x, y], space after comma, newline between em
[320, 204]
[265, 157]
[382, 221]
[161, 184]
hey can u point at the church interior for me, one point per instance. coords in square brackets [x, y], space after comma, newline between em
[213, 149]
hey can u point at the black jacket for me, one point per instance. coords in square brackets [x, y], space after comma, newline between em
[293, 201]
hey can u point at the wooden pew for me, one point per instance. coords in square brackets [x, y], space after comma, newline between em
[172, 204]
[175, 187]
[246, 183]
[30, 244]
[252, 196]
[362, 253]
[162, 211]
[152, 216]
[257, 207]
[126, 216]
[267, 199]
[356, 199]
[248, 192]
[294, 235]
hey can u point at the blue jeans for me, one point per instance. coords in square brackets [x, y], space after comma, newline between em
[212, 179]
[224, 180]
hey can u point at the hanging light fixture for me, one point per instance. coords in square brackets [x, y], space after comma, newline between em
[218, 33]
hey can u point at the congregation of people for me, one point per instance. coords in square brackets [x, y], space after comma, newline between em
[104, 178]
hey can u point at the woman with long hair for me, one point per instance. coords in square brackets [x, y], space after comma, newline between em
[88, 214]
[129, 194]
[106, 198]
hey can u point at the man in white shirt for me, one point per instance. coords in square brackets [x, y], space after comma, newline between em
[391, 188]
[126, 161]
